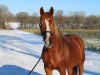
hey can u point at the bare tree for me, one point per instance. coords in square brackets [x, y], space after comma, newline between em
[23, 19]
[77, 19]
[59, 18]
[10, 17]
[3, 15]
[35, 19]
[98, 25]
[91, 22]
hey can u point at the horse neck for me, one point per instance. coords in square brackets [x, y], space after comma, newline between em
[56, 34]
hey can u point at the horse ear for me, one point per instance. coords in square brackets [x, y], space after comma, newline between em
[51, 11]
[41, 11]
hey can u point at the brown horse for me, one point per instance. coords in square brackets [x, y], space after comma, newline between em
[60, 51]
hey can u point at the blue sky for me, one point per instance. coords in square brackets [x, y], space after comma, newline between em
[30, 6]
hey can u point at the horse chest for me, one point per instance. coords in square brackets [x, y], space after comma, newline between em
[50, 59]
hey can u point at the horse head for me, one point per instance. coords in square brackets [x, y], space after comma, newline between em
[46, 25]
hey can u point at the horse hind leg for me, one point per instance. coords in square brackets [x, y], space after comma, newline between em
[81, 68]
[74, 71]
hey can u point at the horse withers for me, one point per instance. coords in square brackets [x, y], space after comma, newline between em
[60, 52]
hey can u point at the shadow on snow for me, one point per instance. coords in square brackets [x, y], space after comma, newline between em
[91, 72]
[25, 50]
[15, 70]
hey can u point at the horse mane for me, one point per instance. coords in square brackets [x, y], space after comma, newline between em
[57, 30]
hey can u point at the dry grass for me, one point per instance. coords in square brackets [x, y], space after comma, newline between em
[63, 30]
[79, 30]
[91, 37]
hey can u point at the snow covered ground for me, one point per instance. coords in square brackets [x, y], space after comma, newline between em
[19, 51]
[12, 25]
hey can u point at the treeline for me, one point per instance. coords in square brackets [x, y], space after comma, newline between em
[22, 18]
[77, 20]
[74, 20]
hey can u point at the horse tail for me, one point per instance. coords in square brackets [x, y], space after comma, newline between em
[75, 69]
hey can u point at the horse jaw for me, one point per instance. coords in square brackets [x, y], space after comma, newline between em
[47, 41]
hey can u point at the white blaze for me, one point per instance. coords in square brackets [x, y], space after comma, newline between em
[47, 25]
[47, 42]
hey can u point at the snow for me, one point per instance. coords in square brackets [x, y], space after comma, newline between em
[13, 25]
[19, 51]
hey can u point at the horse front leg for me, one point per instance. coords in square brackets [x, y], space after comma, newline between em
[70, 71]
[62, 71]
[48, 71]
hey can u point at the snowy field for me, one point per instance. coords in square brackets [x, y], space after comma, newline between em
[19, 51]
